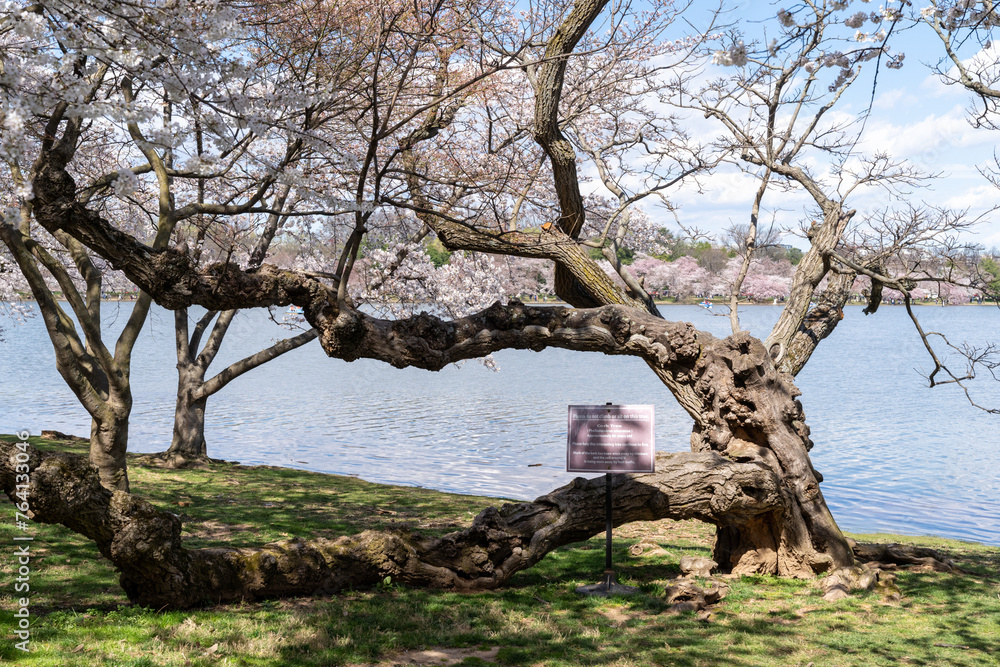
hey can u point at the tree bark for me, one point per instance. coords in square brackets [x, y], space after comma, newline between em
[562, 156]
[108, 445]
[157, 571]
[801, 327]
[188, 441]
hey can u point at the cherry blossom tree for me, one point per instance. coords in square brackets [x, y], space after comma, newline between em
[399, 134]
[687, 278]
[781, 123]
[759, 279]
[122, 192]
[188, 443]
[652, 273]
[57, 266]
[774, 111]
[531, 279]
[747, 243]
[472, 121]
[766, 283]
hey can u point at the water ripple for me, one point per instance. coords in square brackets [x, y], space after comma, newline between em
[896, 456]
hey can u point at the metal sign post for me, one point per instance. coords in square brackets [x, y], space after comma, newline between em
[610, 438]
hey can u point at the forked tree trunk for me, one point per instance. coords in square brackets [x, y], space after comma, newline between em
[157, 571]
[108, 445]
[193, 391]
[98, 378]
[746, 411]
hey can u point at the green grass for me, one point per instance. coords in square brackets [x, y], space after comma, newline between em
[81, 617]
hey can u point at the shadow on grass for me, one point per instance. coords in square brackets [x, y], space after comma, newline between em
[537, 619]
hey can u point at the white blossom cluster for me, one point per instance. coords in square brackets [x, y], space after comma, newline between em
[685, 278]
[847, 62]
[857, 20]
[862, 37]
[126, 183]
[963, 14]
[887, 13]
[403, 280]
[42, 66]
[734, 56]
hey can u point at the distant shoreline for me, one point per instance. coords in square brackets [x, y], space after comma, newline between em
[658, 302]
[992, 304]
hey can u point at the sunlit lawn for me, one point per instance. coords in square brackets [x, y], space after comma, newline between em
[81, 617]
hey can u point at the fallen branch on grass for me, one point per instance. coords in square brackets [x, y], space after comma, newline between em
[144, 542]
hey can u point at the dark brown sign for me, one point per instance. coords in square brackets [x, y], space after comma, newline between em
[610, 438]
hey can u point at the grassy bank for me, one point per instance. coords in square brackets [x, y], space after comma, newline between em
[81, 617]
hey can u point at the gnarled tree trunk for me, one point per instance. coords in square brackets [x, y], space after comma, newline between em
[750, 474]
[746, 410]
[742, 406]
[746, 416]
[188, 441]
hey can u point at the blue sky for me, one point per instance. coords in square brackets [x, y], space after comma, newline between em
[914, 117]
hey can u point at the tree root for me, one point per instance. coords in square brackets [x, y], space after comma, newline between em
[845, 580]
[59, 435]
[873, 571]
[683, 594]
[891, 556]
[175, 461]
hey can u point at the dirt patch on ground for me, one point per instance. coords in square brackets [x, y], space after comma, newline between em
[211, 530]
[619, 617]
[439, 656]
[668, 531]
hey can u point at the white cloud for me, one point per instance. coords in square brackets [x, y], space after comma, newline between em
[933, 86]
[931, 140]
[726, 198]
[977, 198]
[721, 190]
[914, 116]
[892, 99]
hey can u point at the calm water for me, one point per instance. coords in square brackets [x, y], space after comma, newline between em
[896, 456]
